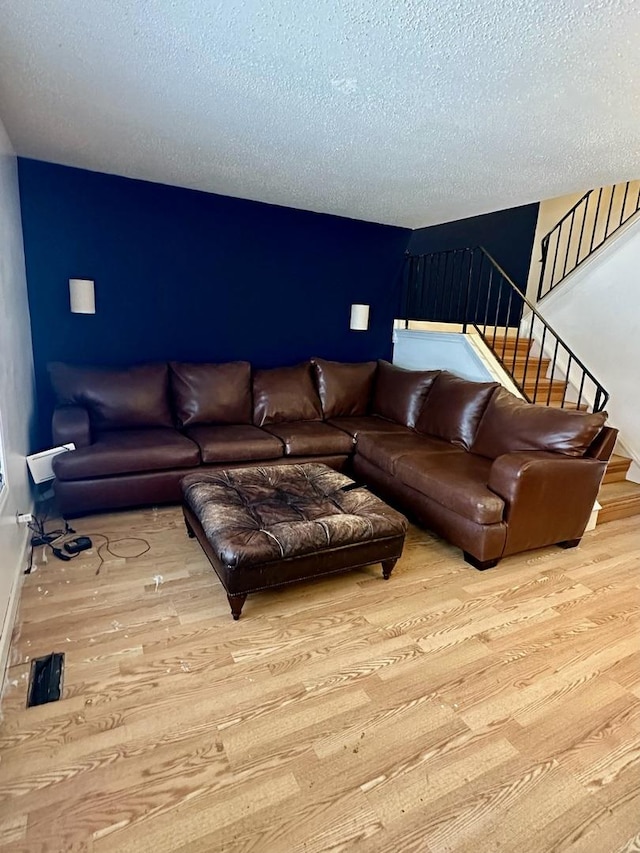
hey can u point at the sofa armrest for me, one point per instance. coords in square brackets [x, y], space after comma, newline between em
[71, 424]
[548, 498]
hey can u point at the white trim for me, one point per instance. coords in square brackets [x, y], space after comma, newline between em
[11, 611]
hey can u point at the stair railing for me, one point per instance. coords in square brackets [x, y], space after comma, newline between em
[468, 287]
[583, 229]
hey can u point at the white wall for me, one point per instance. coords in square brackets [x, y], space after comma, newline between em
[16, 392]
[423, 350]
[597, 312]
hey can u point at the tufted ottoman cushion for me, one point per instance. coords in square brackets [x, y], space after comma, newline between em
[268, 526]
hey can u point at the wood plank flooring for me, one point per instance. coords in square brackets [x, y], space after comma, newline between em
[445, 710]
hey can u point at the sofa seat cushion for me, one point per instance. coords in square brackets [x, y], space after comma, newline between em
[311, 438]
[384, 450]
[454, 407]
[368, 423]
[211, 393]
[458, 482]
[241, 443]
[399, 394]
[127, 398]
[127, 451]
[345, 389]
[509, 425]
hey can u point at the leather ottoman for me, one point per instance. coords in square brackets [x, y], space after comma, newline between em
[265, 527]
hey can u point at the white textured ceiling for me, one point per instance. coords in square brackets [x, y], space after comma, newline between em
[408, 112]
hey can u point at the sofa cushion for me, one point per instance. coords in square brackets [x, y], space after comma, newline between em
[241, 443]
[399, 394]
[211, 393]
[127, 451]
[458, 483]
[311, 438]
[384, 450]
[368, 423]
[510, 424]
[115, 399]
[285, 394]
[454, 407]
[345, 389]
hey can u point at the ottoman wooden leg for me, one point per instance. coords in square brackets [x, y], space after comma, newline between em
[387, 568]
[236, 602]
[190, 532]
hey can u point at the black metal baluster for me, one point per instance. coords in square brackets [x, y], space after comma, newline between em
[452, 284]
[624, 203]
[551, 371]
[504, 341]
[419, 285]
[527, 356]
[515, 350]
[413, 295]
[537, 382]
[467, 296]
[478, 289]
[606, 225]
[438, 289]
[584, 220]
[564, 393]
[584, 376]
[460, 313]
[598, 404]
[555, 257]
[544, 251]
[595, 221]
[486, 312]
[497, 319]
[566, 256]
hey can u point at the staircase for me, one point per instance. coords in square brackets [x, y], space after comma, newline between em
[530, 371]
[618, 497]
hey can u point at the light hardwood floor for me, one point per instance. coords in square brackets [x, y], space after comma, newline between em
[442, 710]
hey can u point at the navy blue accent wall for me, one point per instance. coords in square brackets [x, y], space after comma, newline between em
[188, 275]
[505, 234]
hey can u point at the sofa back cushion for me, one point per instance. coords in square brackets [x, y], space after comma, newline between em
[510, 424]
[454, 407]
[285, 394]
[115, 398]
[211, 393]
[399, 394]
[345, 389]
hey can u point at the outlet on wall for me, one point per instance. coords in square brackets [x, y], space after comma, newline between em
[23, 517]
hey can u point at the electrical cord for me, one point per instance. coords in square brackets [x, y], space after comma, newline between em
[107, 547]
[52, 539]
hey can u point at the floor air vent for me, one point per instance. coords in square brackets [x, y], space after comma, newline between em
[45, 682]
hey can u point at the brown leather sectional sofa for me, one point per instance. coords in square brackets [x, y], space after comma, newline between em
[488, 472]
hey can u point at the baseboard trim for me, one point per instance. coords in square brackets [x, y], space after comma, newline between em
[12, 611]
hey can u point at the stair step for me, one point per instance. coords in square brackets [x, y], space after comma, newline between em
[617, 468]
[568, 405]
[524, 344]
[527, 369]
[557, 385]
[618, 500]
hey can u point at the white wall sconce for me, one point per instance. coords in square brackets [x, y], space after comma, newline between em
[82, 296]
[359, 318]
